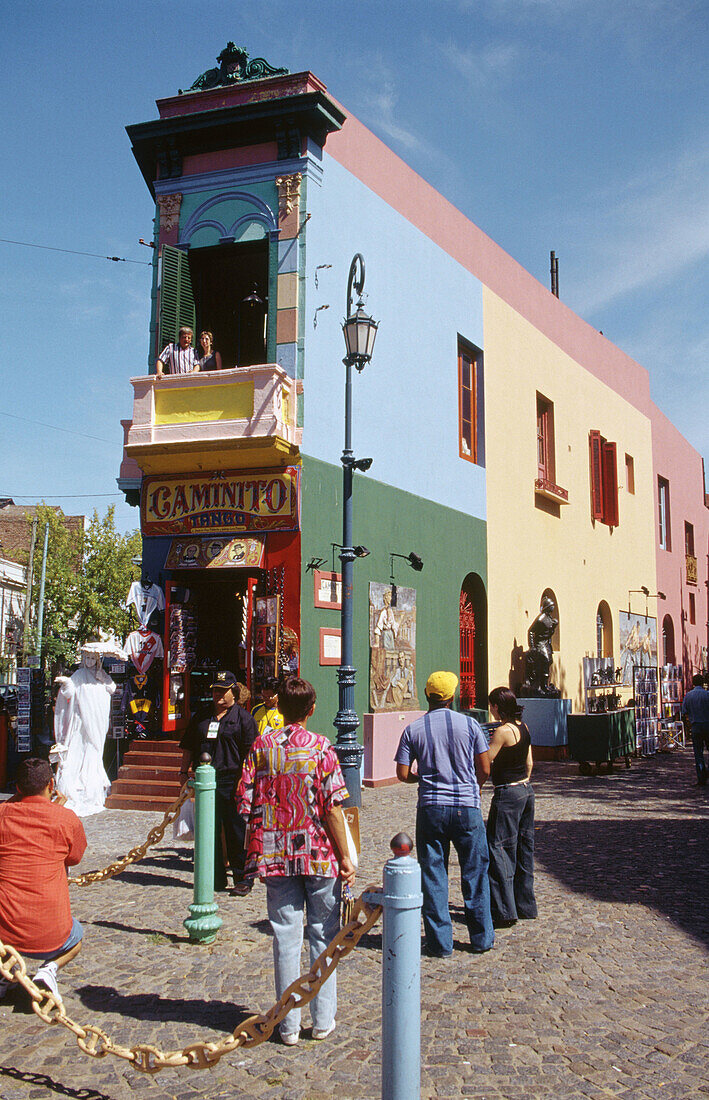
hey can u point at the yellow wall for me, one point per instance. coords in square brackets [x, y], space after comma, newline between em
[530, 550]
[190, 405]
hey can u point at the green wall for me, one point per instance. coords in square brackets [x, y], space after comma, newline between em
[386, 520]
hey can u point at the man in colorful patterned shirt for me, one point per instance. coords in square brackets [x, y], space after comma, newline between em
[291, 791]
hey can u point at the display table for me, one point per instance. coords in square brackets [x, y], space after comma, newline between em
[602, 737]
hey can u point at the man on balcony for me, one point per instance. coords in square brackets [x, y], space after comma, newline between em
[179, 358]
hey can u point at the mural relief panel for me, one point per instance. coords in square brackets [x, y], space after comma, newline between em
[392, 640]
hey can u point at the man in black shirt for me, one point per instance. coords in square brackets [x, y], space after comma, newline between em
[226, 731]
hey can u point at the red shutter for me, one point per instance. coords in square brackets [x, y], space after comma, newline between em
[596, 452]
[610, 485]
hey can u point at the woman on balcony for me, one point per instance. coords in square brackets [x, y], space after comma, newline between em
[211, 359]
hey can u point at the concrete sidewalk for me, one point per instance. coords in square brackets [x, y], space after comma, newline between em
[606, 994]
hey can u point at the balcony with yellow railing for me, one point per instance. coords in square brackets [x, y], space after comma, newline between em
[241, 418]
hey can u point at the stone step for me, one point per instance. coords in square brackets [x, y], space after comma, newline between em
[156, 803]
[159, 746]
[165, 772]
[148, 787]
[140, 759]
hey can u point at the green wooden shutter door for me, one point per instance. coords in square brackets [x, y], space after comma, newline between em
[177, 306]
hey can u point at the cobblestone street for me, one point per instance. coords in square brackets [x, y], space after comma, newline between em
[606, 994]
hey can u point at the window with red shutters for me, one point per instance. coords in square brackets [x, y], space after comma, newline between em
[596, 454]
[610, 485]
[471, 418]
[604, 479]
[546, 466]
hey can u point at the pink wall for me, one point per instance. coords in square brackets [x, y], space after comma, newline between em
[223, 159]
[676, 461]
[382, 733]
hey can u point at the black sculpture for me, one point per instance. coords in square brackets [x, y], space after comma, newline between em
[538, 658]
[234, 68]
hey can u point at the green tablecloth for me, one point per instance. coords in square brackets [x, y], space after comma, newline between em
[600, 737]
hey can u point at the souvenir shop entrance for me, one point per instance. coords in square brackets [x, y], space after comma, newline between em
[206, 630]
[232, 579]
[240, 617]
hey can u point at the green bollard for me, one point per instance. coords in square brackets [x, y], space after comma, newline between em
[203, 922]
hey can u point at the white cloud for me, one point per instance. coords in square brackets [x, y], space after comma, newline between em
[381, 106]
[646, 233]
[484, 65]
[380, 110]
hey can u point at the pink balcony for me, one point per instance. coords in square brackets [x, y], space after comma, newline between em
[238, 418]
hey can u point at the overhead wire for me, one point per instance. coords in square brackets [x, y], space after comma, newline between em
[75, 252]
[56, 428]
[56, 496]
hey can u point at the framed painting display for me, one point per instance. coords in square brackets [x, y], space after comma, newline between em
[330, 645]
[328, 590]
[266, 625]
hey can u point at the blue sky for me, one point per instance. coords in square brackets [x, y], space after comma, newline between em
[577, 125]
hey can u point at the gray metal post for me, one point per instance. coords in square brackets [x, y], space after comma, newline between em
[40, 613]
[28, 595]
[401, 975]
[347, 747]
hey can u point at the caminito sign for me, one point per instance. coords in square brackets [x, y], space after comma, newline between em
[230, 501]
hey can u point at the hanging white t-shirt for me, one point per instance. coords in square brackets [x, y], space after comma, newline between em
[145, 600]
[143, 646]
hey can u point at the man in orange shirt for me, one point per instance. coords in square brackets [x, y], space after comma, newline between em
[39, 839]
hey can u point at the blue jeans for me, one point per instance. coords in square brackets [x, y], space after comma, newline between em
[437, 827]
[510, 834]
[286, 898]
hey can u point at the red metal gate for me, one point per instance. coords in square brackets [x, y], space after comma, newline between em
[467, 652]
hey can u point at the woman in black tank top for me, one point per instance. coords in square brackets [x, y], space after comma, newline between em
[510, 823]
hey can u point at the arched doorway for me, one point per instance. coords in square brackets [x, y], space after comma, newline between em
[604, 631]
[473, 643]
[668, 641]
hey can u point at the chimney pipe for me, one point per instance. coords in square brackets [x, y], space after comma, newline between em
[554, 265]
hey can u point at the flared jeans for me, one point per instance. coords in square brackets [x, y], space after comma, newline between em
[510, 836]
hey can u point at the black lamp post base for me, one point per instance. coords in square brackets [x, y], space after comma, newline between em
[348, 749]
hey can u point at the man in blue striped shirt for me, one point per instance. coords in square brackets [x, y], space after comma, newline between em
[451, 754]
[178, 358]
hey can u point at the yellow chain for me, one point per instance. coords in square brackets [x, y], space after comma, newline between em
[145, 1057]
[135, 854]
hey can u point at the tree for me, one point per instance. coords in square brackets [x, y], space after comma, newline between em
[105, 578]
[87, 580]
[64, 554]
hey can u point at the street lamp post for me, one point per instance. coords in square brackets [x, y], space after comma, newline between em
[360, 332]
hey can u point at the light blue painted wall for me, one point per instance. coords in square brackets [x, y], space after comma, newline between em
[405, 403]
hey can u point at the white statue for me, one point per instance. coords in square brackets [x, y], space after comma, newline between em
[81, 719]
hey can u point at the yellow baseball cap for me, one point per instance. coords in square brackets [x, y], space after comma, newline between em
[441, 685]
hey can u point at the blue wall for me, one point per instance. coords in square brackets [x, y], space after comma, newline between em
[405, 403]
